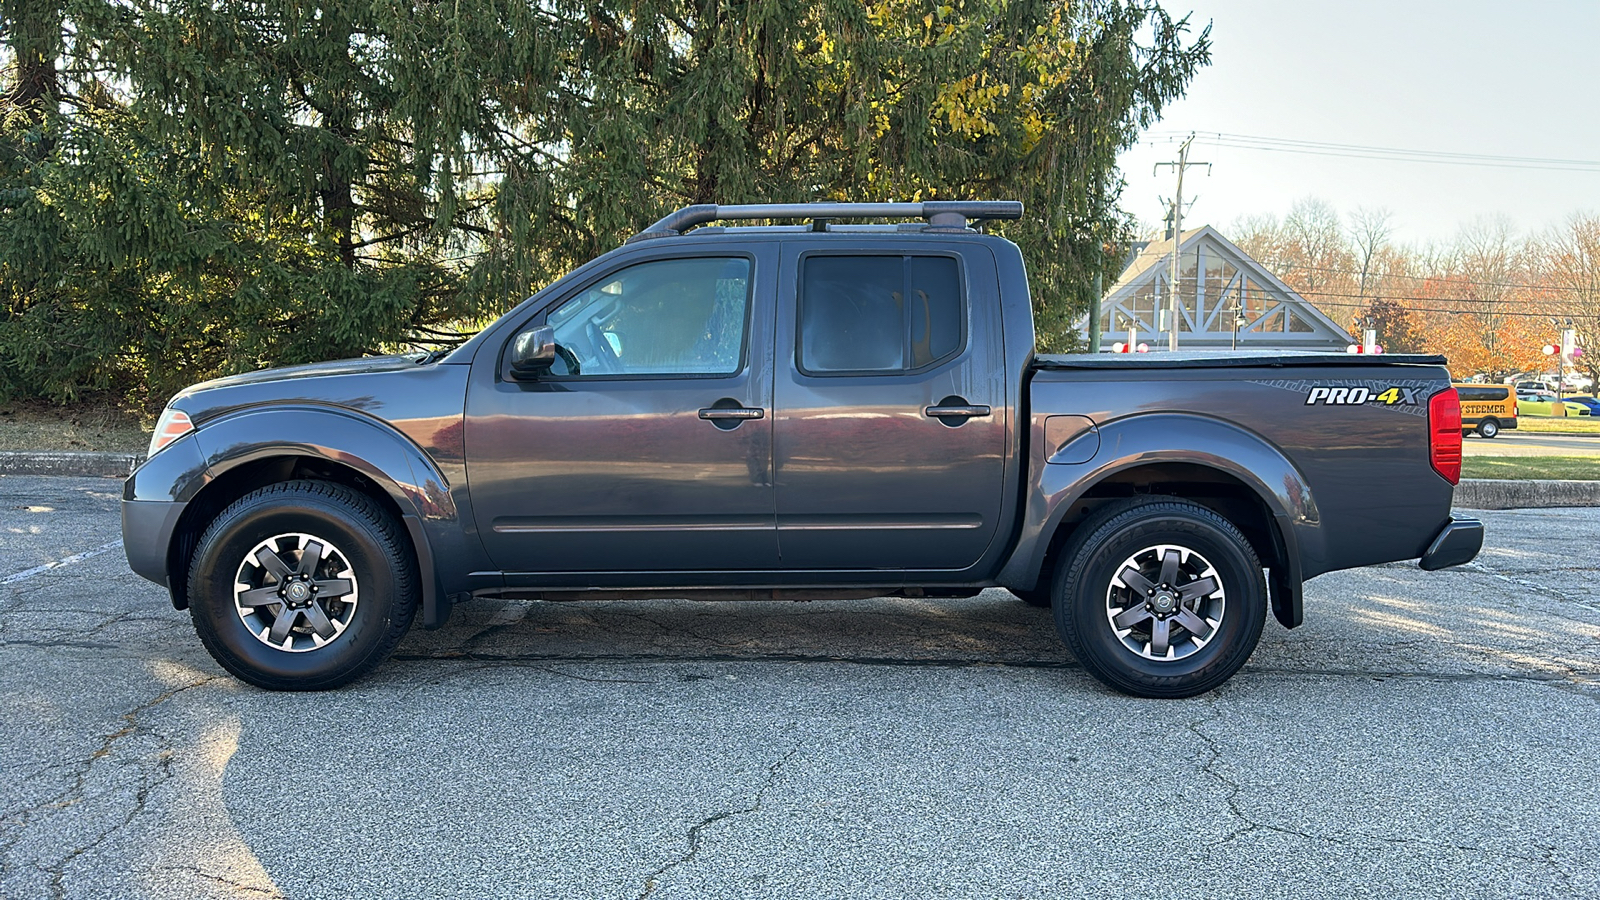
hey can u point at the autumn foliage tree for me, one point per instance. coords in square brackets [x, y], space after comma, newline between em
[1395, 326]
[1485, 301]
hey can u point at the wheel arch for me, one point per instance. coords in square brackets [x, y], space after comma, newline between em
[1216, 464]
[242, 452]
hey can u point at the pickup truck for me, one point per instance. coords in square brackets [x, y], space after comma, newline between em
[800, 410]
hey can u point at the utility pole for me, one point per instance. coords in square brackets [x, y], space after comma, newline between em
[1098, 306]
[1173, 293]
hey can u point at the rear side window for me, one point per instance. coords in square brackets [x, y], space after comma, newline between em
[879, 314]
[1481, 394]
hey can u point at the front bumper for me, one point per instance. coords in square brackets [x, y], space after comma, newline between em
[1457, 542]
[147, 527]
[153, 498]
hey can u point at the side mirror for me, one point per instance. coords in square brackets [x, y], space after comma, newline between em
[533, 352]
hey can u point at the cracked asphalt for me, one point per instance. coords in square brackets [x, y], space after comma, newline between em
[1424, 734]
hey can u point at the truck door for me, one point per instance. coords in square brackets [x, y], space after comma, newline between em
[648, 447]
[890, 432]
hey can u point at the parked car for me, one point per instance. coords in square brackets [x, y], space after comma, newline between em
[1486, 408]
[1544, 403]
[1589, 403]
[662, 420]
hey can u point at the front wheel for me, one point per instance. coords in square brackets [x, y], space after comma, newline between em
[1488, 428]
[304, 585]
[1160, 598]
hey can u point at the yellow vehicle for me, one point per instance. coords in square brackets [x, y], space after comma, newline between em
[1487, 408]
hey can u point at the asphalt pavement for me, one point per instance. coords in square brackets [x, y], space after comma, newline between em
[1424, 734]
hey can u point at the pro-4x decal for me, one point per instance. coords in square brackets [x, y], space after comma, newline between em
[1357, 395]
[1409, 396]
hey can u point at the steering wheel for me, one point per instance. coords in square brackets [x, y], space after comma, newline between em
[603, 354]
[570, 358]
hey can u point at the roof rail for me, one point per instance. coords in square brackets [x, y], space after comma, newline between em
[942, 215]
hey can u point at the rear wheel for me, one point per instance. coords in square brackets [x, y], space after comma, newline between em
[1488, 428]
[1160, 598]
[304, 585]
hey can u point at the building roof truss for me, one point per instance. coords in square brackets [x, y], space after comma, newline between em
[1284, 318]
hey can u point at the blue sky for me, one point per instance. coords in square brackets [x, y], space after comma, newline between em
[1511, 79]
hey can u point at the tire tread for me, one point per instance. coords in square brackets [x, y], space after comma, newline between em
[1075, 558]
[391, 540]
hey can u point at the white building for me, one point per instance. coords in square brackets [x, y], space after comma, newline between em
[1218, 283]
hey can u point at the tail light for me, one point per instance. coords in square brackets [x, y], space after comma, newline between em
[1444, 426]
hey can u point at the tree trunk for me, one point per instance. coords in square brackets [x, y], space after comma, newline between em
[36, 42]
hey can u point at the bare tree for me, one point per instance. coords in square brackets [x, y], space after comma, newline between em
[1261, 238]
[1317, 260]
[1571, 265]
[1370, 230]
[1493, 265]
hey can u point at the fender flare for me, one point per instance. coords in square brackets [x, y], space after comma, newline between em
[1156, 438]
[410, 478]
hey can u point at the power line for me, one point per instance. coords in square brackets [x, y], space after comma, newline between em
[1315, 297]
[1392, 154]
[1448, 279]
[1426, 309]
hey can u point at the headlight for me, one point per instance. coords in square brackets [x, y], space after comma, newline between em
[173, 424]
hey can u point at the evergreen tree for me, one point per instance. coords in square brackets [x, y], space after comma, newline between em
[188, 188]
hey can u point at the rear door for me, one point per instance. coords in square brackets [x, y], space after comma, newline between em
[890, 434]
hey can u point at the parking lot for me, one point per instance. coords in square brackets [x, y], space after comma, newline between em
[1423, 734]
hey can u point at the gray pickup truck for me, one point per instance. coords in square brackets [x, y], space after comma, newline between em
[792, 411]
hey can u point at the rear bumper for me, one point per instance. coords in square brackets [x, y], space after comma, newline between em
[1457, 542]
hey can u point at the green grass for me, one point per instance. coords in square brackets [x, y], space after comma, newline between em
[27, 426]
[1547, 425]
[1562, 468]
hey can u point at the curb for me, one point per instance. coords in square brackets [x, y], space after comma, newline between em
[1498, 493]
[68, 462]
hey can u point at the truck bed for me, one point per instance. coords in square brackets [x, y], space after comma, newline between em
[1217, 359]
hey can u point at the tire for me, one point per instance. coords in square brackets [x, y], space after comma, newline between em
[277, 627]
[1117, 640]
[1488, 428]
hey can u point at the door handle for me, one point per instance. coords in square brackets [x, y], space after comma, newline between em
[715, 413]
[953, 411]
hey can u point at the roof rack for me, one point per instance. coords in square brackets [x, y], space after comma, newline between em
[942, 215]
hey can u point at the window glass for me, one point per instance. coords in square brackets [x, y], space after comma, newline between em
[879, 313]
[1483, 393]
[934, 284]
[668, 317]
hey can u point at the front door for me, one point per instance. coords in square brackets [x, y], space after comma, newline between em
[890, 440]
[648, 446]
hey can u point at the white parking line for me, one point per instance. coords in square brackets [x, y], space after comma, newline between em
[63, 561]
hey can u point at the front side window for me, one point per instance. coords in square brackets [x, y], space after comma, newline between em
[667, 317]
[879, 314]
